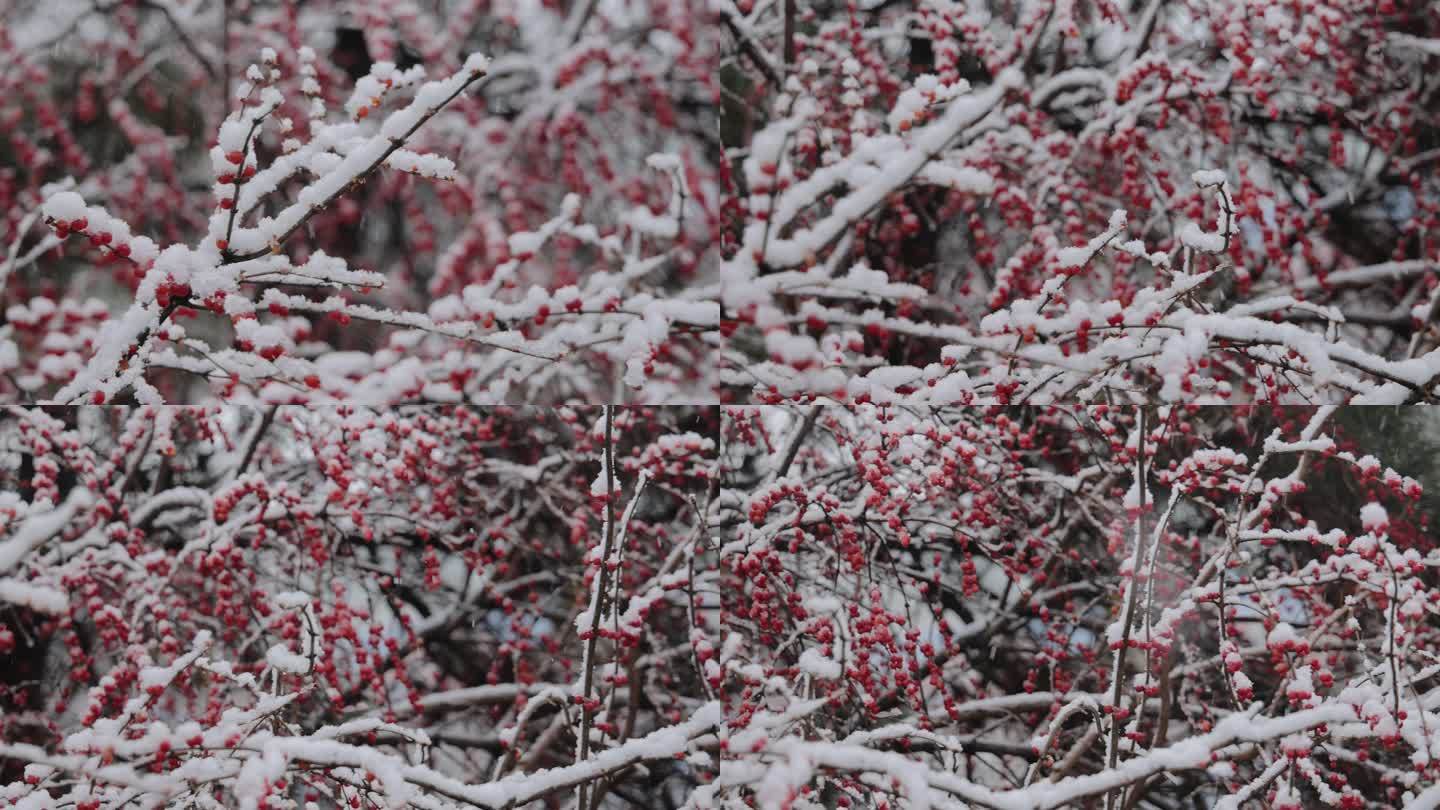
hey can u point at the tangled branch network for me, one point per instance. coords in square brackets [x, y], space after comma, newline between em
[719, 405]
[1007, 202]
[1073, 607]
[514, 231]
[428, 607]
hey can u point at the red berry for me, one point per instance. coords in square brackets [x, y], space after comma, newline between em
[234, 157]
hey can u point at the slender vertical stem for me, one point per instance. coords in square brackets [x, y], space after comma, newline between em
[789, 34]
[1132, 595]
[225, 48]
[588, 664]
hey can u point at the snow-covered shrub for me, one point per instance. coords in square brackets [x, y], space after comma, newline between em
[420, 608]
[1072, 607]
[312, 202]
[1012, 202]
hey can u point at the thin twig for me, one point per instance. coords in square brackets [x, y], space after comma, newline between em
[588, 676]
[395, 144]
[1132, 597]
